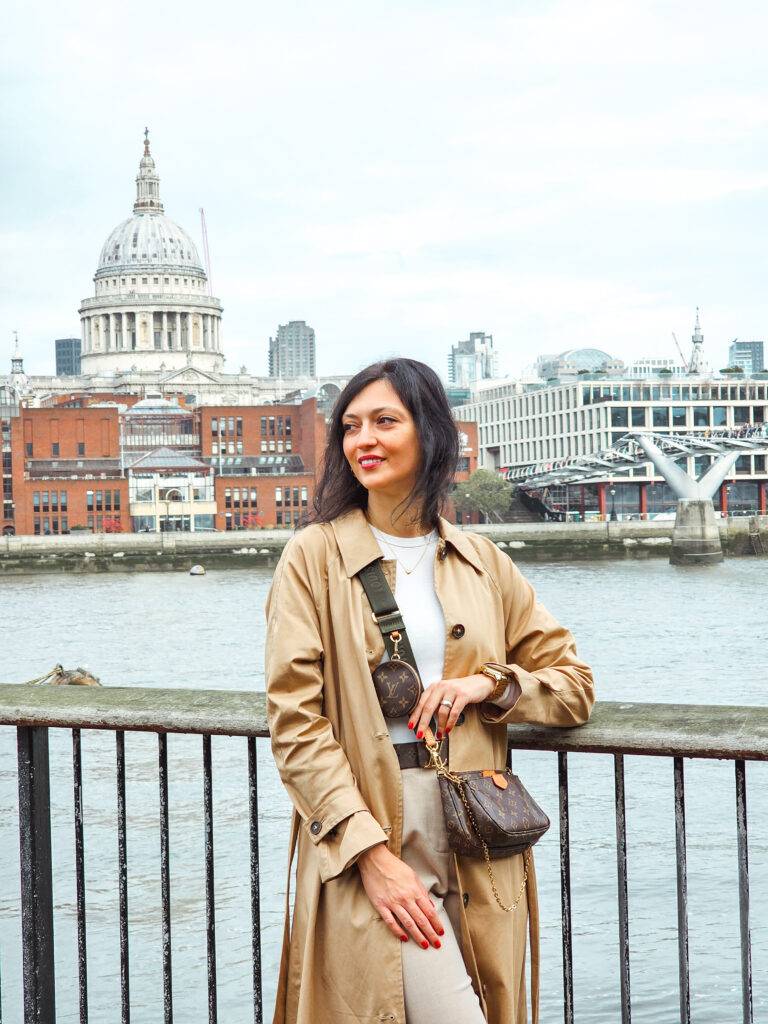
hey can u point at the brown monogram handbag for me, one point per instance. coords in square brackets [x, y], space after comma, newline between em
[488, 813]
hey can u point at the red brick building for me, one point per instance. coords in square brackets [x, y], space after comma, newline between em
[65, 471]
[87, 462]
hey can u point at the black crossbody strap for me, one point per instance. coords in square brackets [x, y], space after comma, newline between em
[386, 614]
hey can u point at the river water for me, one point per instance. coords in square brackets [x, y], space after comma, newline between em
[651, 632]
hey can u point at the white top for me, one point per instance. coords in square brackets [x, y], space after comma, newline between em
[421, 610]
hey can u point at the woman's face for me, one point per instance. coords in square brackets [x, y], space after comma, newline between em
[381, 444]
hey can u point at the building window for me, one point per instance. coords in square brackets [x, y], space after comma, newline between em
[620, 417]
[215, 425]
[304, 492]
[660, 416]
[638, 417]
[678, 416]
[701, 416]
[89, 503]
[263, 425]
[287, 426]
[36, 501]
[81, 448]
[55, 450]
[741, 415]
[63, 497]
[278, 497]
[45, 501]
[239, 426]
[228, 498]
[28, 449]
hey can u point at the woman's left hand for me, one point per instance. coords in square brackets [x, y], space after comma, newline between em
[460, 692]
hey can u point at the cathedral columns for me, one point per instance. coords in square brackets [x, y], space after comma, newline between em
[165, 340]
[178, 331]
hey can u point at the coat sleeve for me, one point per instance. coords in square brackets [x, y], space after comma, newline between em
[555, 686]
[312, 765]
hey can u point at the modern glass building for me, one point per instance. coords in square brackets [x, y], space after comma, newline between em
[68, 357]
[523, 426]
[749, 355]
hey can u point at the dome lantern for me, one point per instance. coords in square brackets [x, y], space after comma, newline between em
[147, 183]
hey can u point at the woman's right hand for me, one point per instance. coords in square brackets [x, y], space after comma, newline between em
[399, 896]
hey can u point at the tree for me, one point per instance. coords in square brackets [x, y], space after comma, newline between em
[484, 492]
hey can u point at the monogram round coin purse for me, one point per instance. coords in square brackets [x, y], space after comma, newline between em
[398, 687]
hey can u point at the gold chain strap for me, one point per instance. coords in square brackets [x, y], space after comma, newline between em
[436, 762]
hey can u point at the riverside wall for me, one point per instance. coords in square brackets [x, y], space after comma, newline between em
[524, 542]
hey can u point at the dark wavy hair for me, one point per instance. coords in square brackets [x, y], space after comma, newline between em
[422, 393]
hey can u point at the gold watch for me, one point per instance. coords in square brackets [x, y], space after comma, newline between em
[500, 679]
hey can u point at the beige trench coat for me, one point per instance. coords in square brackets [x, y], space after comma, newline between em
[340, 962]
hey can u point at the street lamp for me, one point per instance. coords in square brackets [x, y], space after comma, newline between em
[613, 516]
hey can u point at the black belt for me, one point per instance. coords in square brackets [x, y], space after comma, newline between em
[416, 755]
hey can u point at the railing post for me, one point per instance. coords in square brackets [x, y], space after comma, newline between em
[621, 859]
[743, 853]
[565, 888]
[682, 893]
[36, 876]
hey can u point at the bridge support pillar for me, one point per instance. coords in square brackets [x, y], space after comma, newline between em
[695, 537]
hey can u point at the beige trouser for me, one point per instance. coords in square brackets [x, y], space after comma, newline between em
[436, 985]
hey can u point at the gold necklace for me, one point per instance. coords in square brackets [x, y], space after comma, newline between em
[418, 560]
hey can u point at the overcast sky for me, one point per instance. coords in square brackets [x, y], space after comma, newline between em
[399, 174]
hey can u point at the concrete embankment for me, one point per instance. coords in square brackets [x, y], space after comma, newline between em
[534, 542]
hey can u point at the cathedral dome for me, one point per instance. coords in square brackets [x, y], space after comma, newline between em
[148, 240]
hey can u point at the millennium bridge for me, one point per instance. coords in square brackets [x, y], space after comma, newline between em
[695, 538]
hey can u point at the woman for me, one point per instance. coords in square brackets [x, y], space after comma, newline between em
[388, 924]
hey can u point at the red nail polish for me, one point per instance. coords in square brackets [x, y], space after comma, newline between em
[441, 932]
[419, 734]
[425, 945]
[437, 944]
[410, 725]
[403, 938]
[439, 735]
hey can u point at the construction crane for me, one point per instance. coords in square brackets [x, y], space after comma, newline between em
[682, 357]
[205, 251]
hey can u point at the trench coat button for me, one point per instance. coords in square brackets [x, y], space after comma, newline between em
[458, 631]
[315, 827]
[442, 553]
[466, 899]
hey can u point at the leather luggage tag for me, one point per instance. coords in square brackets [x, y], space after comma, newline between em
[498, 779]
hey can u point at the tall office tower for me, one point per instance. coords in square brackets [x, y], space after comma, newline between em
[68, 357]
[749, 355]
[292, 351]
[472, 360]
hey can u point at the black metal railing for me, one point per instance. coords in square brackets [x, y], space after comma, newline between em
[676, 732]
